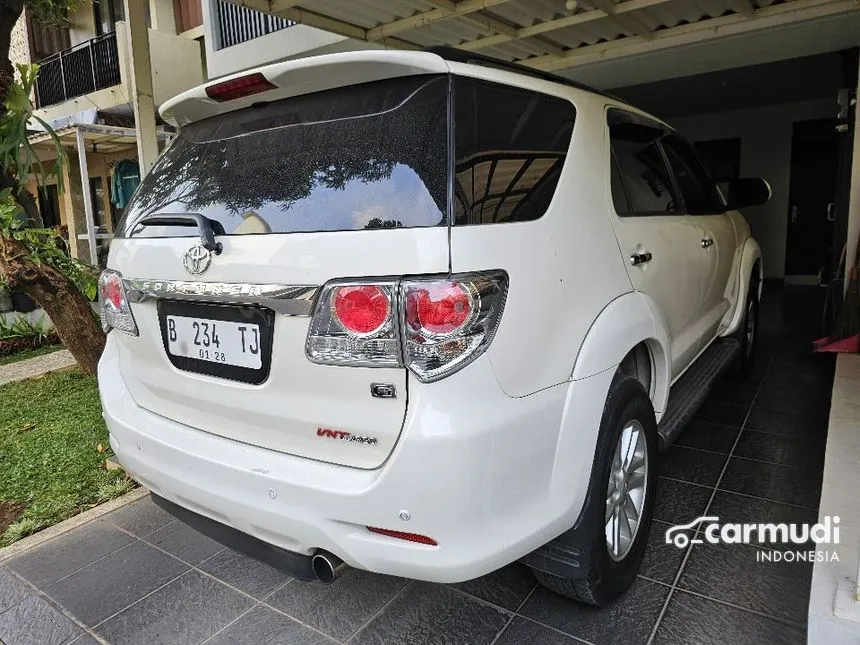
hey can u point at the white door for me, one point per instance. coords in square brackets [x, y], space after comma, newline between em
[660, 246]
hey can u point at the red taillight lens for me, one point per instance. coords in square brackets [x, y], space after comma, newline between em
[238, 87]
[440, 308]
[111, 291]
[361, 309]
[115, 310]
[400, 535]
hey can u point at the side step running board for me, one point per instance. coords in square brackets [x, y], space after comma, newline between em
[691, 390]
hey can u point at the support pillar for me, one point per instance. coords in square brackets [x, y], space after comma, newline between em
[74, 209]
[141, 84]
[87, 197]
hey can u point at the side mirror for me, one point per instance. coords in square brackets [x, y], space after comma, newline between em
[748, 191]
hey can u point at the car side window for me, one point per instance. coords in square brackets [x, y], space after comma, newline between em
[642, 169]
[701, 196]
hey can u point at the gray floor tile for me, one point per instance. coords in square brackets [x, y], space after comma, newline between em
[810, 402]
[801, 452]
[708, 436]
[506, 587]
[110, 585]
[787, 423]
[188, 610]
[627, 621]
[59, 557]
[185, 543]
[771, 481]
[679, 502]
[661, 561]
[727, 414]
[527, 632]
[740, 508]
[694, 466]
[431, 614]
[733, 391]
[357, 595]
[251, 576]
[34, 621]
[732, 574]
[690, 619]
[85, 639]
[263, 626]
[12, 590]
[141, 518]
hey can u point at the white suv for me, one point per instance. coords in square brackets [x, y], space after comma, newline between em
[420, 314]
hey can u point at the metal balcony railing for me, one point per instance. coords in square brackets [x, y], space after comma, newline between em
[239, 24]
[88, 66]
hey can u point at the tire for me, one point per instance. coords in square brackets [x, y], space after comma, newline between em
[747, 334]
[606, 576]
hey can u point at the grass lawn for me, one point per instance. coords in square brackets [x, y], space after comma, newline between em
[29, 353]
[50, 465]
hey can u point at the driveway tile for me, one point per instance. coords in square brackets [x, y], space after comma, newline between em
[731, 508]
[263, 626]
[110, 585]
[188, 610]
[34, 621]
[627, 621]
[733, 391]
[78, 548]
[678, 502]
[85, 639]
[770, 481]
[802, 452]
[810, 402]
[727, 414]
[731, 573]
[507, 587]
[431, 614]
[185, 543]
[694, 466]
[357, 595]
[705, 435]
[251, 576]
[12, 590]
[141, 517]
[661, 561]
[787, 423]
[690, 619]
[526, 632]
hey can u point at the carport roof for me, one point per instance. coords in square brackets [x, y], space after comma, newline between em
[551, 35]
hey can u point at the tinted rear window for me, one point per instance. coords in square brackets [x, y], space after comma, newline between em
[367, 156]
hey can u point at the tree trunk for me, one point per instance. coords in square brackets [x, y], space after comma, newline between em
[67, 307]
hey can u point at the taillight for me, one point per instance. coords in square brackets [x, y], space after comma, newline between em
[114, 307]
[434, 326]
[402, 535]
[235, 88]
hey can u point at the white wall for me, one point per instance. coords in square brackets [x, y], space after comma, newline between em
[765, 152]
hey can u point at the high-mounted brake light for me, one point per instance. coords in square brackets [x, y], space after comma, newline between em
[401, 535]
[236, 88]
[115, 310]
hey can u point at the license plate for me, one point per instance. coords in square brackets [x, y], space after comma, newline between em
[215, 341]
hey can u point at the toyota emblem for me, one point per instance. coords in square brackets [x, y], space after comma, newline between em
[197, 259]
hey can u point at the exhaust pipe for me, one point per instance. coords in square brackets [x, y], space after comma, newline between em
[327, 566]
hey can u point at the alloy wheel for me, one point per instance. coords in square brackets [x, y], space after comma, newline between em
[625, 494]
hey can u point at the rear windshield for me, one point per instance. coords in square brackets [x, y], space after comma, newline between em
[362, 157]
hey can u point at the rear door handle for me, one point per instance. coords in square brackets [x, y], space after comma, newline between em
[640, 258]
[706, 242]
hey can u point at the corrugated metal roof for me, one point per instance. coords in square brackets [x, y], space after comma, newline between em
[543, 33]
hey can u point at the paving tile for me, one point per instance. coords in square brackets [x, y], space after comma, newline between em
[802, 452]
[251, 576]
[265, 626]
[63, 555]
[678, 502]
[732, 574]
[793, 382]
[810, 402]
[661, 561]
[727, 414]
[431, 614]
[507, 587]
[12, 590]
[188, 610]
[357, 595]
[787, 423]
[690, 619]
[141, 518]
[35, 621]
[691, 465]
[733, 391]
[185, 543]
[705, 435]
[628, 620]
[112, 584]
[771, 481]
[85, 639]
[527, 632]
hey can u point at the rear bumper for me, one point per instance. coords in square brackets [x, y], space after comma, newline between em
[489, 477]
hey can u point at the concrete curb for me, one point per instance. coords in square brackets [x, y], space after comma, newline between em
[48, 534]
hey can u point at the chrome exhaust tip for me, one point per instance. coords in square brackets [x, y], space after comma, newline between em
[327, 567]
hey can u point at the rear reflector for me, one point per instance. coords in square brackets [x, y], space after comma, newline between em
[400, 535]
[238, 87]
